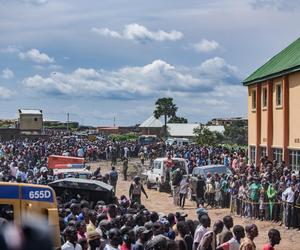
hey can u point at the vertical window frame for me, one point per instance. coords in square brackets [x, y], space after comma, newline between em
[253, 100]
[278, 99]
[264, 96]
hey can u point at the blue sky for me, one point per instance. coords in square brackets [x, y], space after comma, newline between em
[114, 58]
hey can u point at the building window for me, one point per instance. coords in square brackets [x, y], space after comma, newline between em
[35, 119]
[254, 99]
[263, 152]
[277, 154]
[278, 95]
[252, 154]
[294, 160]
[264, 97]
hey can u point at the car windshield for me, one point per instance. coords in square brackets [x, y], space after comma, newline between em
[212, 170]
[218, 169]
[178, 164]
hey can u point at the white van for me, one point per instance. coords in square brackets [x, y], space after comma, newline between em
[159, 174]
[179, 142]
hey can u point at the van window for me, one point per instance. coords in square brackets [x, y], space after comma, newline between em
[7, 212]
[157, 165]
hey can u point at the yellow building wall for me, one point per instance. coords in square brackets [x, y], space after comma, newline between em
[264, 120]
[294, 105]
[277, 118]
[251, 118]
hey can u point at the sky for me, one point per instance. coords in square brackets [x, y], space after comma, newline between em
[100, 60]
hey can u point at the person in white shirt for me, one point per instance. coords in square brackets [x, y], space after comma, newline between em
[288, 196]
[71, 243]
[184, 185]
[115, 239]
[201, 230]
[235, 242]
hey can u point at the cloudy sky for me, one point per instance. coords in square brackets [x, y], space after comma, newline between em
[114, 58]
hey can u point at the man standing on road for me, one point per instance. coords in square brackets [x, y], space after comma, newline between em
[125, 168]
[113, 178]
[135, 190]
[200, 191]
[252, 232]
[274, 239]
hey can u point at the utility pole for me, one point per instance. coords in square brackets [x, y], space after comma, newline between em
[68, 120]
[114, 121]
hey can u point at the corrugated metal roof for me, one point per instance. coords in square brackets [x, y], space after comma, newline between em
[187, 129]
[30, 111]
[286, 61]
[151, 122]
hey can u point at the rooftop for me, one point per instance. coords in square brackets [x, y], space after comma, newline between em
[30, 111]
[286, 61]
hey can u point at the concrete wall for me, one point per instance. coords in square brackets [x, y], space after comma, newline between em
[277, 118]
[264, 120]
[31, 122]
[294, 117]
[251, 118]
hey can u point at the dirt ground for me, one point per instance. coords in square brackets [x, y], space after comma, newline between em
[162, 202]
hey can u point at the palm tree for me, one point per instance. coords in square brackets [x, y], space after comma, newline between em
[165, 107]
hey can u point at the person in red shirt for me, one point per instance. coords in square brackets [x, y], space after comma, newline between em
[274, 239]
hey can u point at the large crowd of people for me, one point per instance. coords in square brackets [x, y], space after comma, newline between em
[269, 190]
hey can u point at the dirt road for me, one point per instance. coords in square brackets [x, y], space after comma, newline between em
[162, 202]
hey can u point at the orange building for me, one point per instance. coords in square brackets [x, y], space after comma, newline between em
[274, 108]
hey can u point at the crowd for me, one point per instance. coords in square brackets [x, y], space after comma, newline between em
[128, 225]
[266, 191]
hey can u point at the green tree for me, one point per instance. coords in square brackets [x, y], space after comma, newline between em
[176, 119]
[206, 137]
[236, 133]
[165, 107]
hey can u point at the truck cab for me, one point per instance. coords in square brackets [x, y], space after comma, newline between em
[19, 200]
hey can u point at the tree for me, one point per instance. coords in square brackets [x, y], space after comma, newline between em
[236, 133]
[206, 137]
[165, 107]
[176, 119]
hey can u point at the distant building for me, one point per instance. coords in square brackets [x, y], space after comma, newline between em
[273, 108]
[227, 121]
[30, 121]
[153, 126]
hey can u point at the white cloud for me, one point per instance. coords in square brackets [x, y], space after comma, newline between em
[5, 93]
[154, 79]
[206, 46]
[36, 56]
[140, 33]
[37, 2]
[10, 49]
[7, 73]
[281, 5]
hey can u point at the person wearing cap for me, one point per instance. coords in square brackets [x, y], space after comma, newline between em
[94, 240]
[43, 179]
[135, 190]
[142, 235]
[202, 228]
